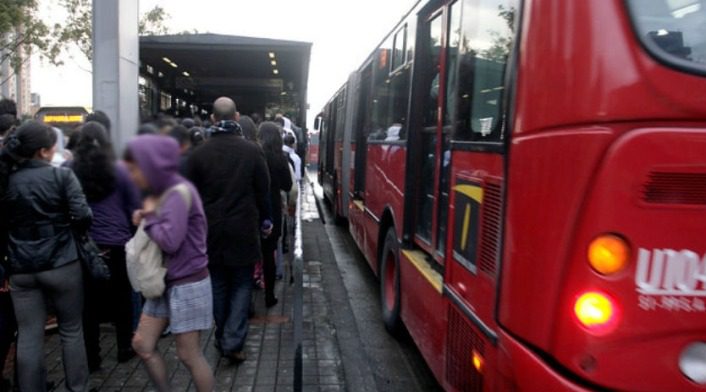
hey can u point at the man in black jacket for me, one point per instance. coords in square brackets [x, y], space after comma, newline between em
[232, 177]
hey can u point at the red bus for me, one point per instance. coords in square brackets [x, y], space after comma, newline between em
[528, 180]
[312, 152]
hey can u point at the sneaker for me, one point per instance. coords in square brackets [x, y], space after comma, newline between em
[237, 357]
[270, 302]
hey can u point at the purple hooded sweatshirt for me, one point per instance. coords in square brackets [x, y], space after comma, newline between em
[181, 234]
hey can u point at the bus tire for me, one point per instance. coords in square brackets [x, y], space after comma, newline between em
[390, 283]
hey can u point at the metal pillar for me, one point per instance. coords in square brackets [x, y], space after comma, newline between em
[116, 66]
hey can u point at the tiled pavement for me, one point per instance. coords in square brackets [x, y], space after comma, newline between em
[270, 346]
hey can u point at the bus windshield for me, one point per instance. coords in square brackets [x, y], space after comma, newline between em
[673, 30]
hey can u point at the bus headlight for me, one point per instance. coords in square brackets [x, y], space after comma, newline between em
[692, 362]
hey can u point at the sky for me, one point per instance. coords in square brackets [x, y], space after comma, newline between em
[343, 33]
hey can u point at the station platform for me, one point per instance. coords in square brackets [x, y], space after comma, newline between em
[345, 347]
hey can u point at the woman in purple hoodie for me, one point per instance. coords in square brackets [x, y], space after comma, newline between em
[178, 226]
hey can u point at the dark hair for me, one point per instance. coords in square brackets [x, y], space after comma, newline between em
[280, 121]
[289, 140]
[197, 136]
[128, 156]
[270, 136]
[180, 134]
[165, 121]
[100, 117]
[73, 140]
[8, 106]
[256, 118]
[22, 144]
[249, 128]
[147, 129]
[188, 123]
[7, 122]
[94, 162]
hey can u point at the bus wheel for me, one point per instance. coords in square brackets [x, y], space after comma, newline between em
[390, 283]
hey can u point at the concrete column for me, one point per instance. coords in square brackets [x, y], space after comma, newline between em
[116, 66]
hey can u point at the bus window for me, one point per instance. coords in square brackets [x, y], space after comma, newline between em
[673, 30]
[486, 43]
[381, 90]
[362, 129]
[340, 108]
[400, 47]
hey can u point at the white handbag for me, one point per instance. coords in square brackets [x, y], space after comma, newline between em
[144, 258]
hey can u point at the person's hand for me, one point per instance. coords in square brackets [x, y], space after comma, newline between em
[149, 205]
[137, 217]
[266, 228]
[4, 286]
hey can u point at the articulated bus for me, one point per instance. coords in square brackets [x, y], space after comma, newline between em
[528, 180]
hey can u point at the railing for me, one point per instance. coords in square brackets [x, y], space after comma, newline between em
[298, 274]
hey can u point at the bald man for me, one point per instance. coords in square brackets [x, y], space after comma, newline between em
[224, 109]
[232, 177]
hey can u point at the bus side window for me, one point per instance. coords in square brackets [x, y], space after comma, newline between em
[485, 47]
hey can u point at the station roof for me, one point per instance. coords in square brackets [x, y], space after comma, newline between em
[252, 71]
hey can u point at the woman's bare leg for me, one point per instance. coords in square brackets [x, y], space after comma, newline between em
[145, 345]
[189, 351]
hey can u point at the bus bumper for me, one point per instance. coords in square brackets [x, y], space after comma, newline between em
[523, 370]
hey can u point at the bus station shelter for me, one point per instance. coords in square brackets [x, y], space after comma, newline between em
[183, 74]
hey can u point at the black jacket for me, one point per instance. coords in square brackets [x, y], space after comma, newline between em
[42, 208]
[280, 180]
[232, 177]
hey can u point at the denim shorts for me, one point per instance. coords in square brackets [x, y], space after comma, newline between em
[189, 307]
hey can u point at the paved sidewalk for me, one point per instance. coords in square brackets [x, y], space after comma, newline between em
[270, 347]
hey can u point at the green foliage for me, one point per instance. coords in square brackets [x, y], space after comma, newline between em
[152, 23]
[77, 28]
[23, 31]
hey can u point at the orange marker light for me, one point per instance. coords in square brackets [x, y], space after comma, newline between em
[596, 312]
[477, 361]
[608, 254]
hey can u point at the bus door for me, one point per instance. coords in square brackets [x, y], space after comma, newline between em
[431, 130]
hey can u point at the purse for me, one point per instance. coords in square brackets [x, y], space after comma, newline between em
[144, 258]
[91, 257]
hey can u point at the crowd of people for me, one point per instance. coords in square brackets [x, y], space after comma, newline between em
[213, 196]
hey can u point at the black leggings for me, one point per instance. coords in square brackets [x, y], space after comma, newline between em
[116, 298]
[8, 327]
[269, 245]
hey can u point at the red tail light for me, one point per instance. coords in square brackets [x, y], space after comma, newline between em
[596, 312]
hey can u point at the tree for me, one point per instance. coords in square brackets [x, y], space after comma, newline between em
[22, 31]
[78, 27]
